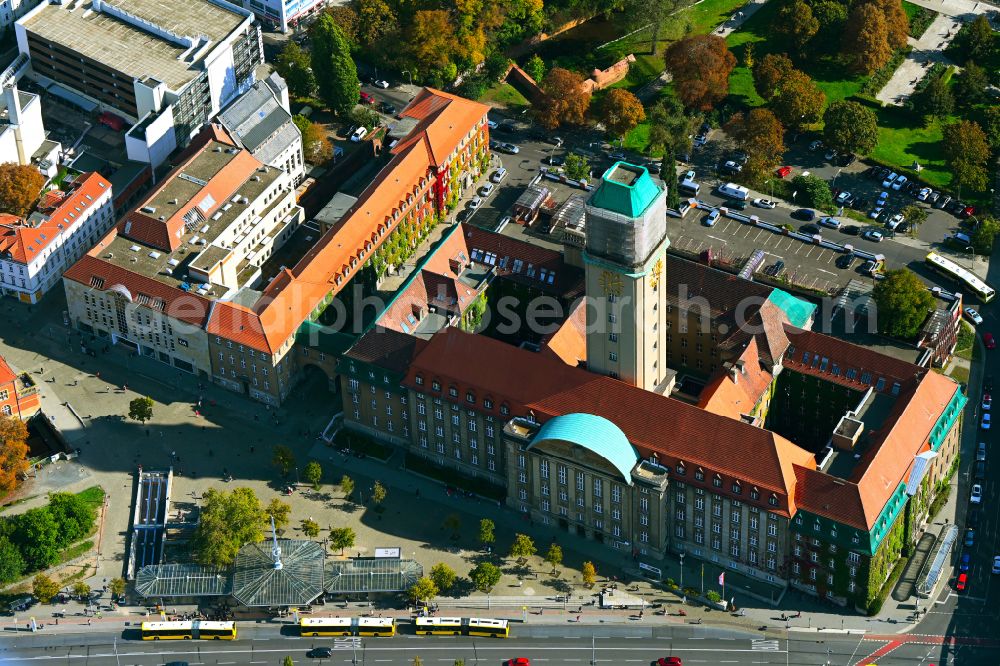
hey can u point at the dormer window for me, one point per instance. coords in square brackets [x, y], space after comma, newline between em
[436, 385]
[470, 397]
[419, 379]
[699, 474]
[453, 392]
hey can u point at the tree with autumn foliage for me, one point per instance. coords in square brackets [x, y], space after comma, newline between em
[430, 42]
[760, 135]
[295, 68]
[13, 452]
[768, 73]
[897, 23]
[566, 101]
[866, 39]
[796, 20]
[376, 19]
[20, 185]
[621, 112]
[315, 145]
[799, 101]
[700, 66]
[968, 154]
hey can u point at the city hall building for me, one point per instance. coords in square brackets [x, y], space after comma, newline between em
[805, 461]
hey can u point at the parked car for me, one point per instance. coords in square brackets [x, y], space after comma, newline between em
[508, 148]
[996, 564]
[981, 452]
[943, 201]
[851, 230]
[847, 159]
[924, 193]
[933, 197]
[895, 221]
[764, 203]
[781, 172]
[970, 537]
[387, 108]
[845, 261]
[815, 145]
[962, 581]
[979, 473]
[700, 140]
[890, 179]
[986, 421]
[712, 218]
[967, 212]
[809, 229]
[973, 316]
[989, 341]
[963, 564]
[554, 160]
[976, 496]
[732, 167]
[845, 198]
[380, 83]
[987, 402]
[499, 175]
[876, 212]
[831, 222]
[899, 183]
[734, 204]
[474, 203]
[487, 189]
[358, 134]
[492, 124]
[873, 235]
[830, 155]
[805, 214]
[366, 98]
[988, 383]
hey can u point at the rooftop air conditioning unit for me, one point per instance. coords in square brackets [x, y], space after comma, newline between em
[217, 149]
[173, 202]
[255, 179]
[148, 209]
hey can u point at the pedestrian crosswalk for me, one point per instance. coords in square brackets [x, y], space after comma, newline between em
[346, 643]
[763, 645]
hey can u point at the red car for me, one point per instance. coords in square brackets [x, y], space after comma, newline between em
[668, 661]
[989, 341]
[517, 661]
[783, 171]
[961, 582]
[968, 212]
[366, 98]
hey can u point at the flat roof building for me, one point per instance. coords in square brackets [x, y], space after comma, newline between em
[168, 69]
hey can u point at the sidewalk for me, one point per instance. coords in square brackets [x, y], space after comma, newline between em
[927, 50]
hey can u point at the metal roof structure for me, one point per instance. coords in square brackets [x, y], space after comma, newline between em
[596, 434]
[183, 580]
[371, 574]
[259, 121]
[295, 579]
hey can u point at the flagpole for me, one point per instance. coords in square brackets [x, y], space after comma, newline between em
[723, 587]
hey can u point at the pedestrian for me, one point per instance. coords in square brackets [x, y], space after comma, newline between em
[577, 618]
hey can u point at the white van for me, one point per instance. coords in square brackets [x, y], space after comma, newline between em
[734, 191]
[689, 186]
[359, 134]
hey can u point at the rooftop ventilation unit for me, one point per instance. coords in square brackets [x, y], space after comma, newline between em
[148, 209]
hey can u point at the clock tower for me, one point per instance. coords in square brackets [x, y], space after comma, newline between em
[626, 227]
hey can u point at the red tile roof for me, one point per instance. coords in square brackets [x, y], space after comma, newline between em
[728, 397]
[64, 209]
[546, 387]
[445, 119]
[569, 342]
[6, 374]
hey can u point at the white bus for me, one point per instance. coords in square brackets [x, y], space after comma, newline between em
[961, 275]
[734, 191]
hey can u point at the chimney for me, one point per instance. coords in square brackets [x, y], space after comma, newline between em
[734, 373]
[13, 105]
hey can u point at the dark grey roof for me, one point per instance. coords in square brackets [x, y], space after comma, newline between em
[259, 121]
[182, 580]
[256, 581]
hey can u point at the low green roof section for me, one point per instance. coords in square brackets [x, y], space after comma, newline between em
[626, 189]
[596, 434]
[798, 311]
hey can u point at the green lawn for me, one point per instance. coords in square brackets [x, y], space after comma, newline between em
[504, 94]
[903, 139]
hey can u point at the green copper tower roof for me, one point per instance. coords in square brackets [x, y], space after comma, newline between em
[595, 433]
[626, 189]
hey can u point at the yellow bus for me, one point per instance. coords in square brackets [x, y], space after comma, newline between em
[201, 629]
[475, 626]
[441, 626]
[375, 626]
[325, 626]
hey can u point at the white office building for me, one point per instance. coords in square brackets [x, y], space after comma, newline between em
[283, 14]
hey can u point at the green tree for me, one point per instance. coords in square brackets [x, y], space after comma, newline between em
[378, 493]
[850, 127]
[347, 486]
[376, 19]
[935, 100]
[44, 588]
[13, 452]
[11, 563]
[332, 65]
[523, 547]
[866, 39]
[903, 302]
[81, 590]
[621, 112]
[799, 101]
[283, 459]
[915, 216]
[229, 520]
[968, 154]
[140, 409]
[487, 532]
[700, 65]
[443, 576]
[831, 16]
[294, 67]
[287, 661]
[554, 556]
[971, 84]
[535, 67]
[485, 576]
[761, 136]
[589, 574]
[769, 72]
[36, 534]
[576, 167]
[979, 38]
[117, 587]
[671, 127]
[423, 590]
[417, 661]
[452, 523]
[654, 14]
[74, 517]
[897, 23]
[313, 474]
[280, 511]
[310, 528]
[668, 172]
[812, 191]
[459, 662]
[342, 538]
[985, 234]
[796, 20]
[990, 124]
[20, 185]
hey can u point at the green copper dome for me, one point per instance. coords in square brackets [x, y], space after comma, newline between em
[596, 434]
[626, 189]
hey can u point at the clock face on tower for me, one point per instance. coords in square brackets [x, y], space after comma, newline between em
[657, 273]
[611, 283]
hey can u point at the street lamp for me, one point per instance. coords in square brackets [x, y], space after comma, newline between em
[682, 571]
[972, 257]
[407, 72]
[834, 184]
